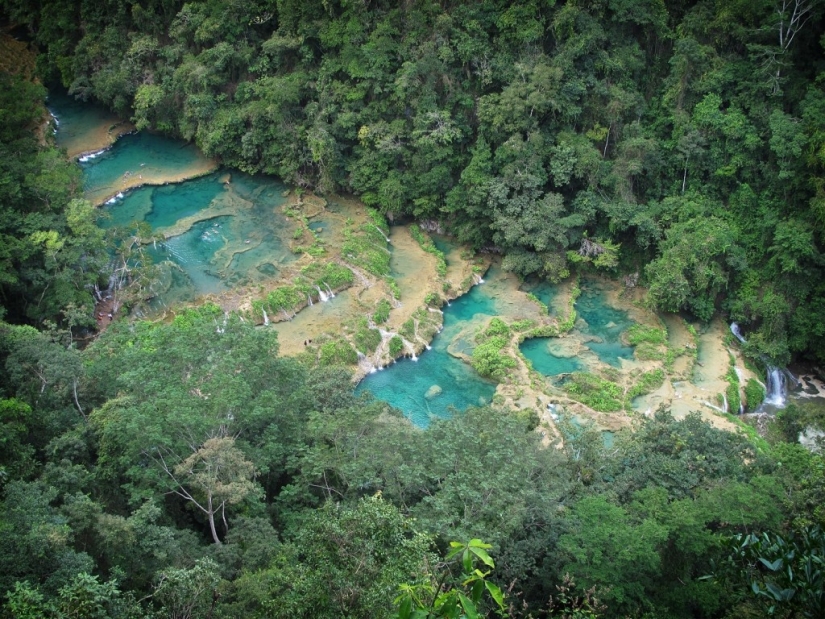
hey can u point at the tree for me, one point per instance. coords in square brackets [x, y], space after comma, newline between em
[218, 475]
[784, 572]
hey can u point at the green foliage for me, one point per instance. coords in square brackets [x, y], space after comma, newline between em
[284, 298]
[407, 330]
[382, 312]
[645, 351]
[647, 382]
[428, 598]
[488, 358]
[754, 394]
[782, 572]
[570, 320]
[330, 274]
[433, 300]
[337, 352]
[396, 346]
[638, 334]
[366, 247]
[427, 245]
[597, 393]
[366, 339]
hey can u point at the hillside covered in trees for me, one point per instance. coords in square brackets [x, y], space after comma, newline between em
[173, 469]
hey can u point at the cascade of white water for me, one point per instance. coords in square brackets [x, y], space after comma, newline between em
[321, 294]
[777, 388]
[411, 349]
[477, 278]
[266, 318]
[331, 294]
[309, 299]
[386, 238]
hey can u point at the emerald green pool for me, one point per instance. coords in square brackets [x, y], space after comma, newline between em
[406, 383]
[220, 234]
[599, 330]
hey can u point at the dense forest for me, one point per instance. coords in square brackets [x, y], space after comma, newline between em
[169, 470]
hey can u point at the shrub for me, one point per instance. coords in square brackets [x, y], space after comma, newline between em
[337, 352]
[382, 312]
[366, 339]
[649, 381]
[754, 394]
[638, 334]
[407, 330]
[396, 346]
[597, 393]
[489, 361]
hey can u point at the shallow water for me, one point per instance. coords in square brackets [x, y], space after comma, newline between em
[605, 323]
[83, 127]
[140, 159]
[544, 291]
[218, 235]
[537, 350]
[405, 383]
[598, 329]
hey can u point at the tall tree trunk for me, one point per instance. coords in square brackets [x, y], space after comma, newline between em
[211, 514]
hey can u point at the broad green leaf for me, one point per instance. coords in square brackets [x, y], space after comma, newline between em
[496, 593]
[482, 554]
[468, 606]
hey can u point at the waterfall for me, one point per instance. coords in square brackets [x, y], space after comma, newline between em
[714, 407]
[266, 318]
[734, 328]
[321, 294]
[386, 238]
[777, 388]
[309, 299]
[331, 294]
[411, 349]
[477, 278]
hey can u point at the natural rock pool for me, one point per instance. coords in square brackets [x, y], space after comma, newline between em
[234, 238]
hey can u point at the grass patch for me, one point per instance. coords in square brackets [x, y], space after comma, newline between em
[646, 351]
[732, 390]
[638, 334]
[428, 246]
[407, 330]
[334, 275]
[396, 346]
[366, 339]
[595, 392]
[366, 247]
[649, 381]
[570, 321]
